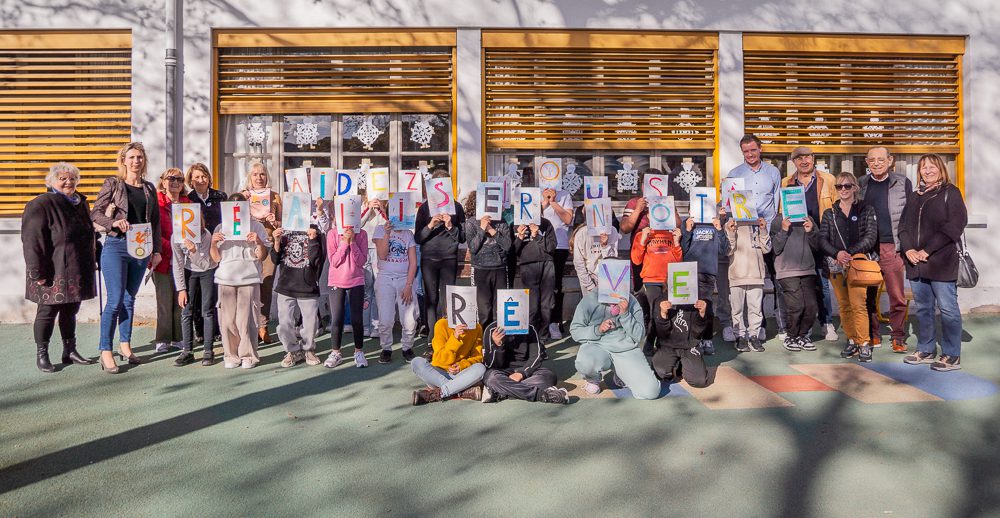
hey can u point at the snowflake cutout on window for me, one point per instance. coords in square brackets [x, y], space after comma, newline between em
[255, 134]
[628, 178]
[425, 172]
[688, 178]
[422, 133]
[368, 133]
[571, 181]
[363, 176]
[306, 134]
[513, 174]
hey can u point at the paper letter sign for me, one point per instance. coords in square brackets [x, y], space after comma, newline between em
[598, 213]
[402, 210]
[661, 213]
[654, 185]
[549, 171]
[347, 212]
[140, 240]
[505, 183]
[793, 203]
[702, 204]
[682, 283]
[295, 209]
[297, 179]
[409, 180]
[260, 203]
[595, 187]
[489, 200]
[347, 182]
[378, 183]
[512, 311]
[187, 222]
[324, 183]
[613, 279]
[439, 197]
[728, 186]
[744, 210]
[462, 306]
[528, 206]
[235, 220]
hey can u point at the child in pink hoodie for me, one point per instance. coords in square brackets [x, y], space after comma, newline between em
[348, 253]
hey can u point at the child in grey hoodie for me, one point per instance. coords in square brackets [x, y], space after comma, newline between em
[794, 245]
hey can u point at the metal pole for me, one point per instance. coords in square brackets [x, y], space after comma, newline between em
[171, 144]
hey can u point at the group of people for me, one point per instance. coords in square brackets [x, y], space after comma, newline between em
[321, 278]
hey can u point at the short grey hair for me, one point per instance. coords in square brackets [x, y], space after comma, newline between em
[57, 169]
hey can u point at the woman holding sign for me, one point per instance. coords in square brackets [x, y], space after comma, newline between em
[168, 314]
[265, 207]
[439, 234]
[125, 200]
[58, 239]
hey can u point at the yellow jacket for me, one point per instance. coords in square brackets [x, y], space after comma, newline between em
[824, 189]
[449, 350]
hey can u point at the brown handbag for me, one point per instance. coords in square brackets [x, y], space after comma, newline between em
[863, 272]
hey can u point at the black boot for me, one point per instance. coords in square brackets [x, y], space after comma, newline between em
[42, 362]
[70, 354]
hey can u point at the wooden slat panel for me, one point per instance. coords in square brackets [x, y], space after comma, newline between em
[412, 37]
[848, 43]
[589, 39]
[61, 103]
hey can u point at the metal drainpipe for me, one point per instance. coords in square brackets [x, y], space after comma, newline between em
[171, 143]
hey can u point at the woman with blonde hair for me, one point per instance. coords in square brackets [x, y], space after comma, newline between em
[265, 207]
[124, 200]
[199, 180]
[930, 229]
[170, 190]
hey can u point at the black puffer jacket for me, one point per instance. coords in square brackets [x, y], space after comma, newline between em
[933, 222]
[858, 231]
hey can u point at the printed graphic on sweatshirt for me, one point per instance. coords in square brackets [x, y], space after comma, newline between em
[296, 251]
[703, 234]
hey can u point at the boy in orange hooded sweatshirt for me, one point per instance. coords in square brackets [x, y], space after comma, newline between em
[654, 250]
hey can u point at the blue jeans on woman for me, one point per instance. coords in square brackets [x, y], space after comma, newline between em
[122, 278]
[449, 385]
[943, 295]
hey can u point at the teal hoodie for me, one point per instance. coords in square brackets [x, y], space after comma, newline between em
[629, 332]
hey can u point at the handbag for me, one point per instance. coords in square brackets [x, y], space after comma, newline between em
[968, 274]
[863, 272]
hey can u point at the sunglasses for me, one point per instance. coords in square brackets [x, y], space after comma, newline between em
[844, 186]
[178, 179]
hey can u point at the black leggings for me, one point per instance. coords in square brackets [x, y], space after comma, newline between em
[559, 258]
[437, 274]
[356, 298]
[45, 321]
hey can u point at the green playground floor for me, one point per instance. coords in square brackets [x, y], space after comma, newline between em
[204, 441]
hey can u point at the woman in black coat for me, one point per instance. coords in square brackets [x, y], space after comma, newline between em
[930, 228]
[58, 240]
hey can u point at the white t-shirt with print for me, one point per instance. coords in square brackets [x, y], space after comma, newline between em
[565, 200]
[397, 261]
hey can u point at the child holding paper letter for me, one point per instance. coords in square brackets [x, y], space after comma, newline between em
[677, 331]
[705, 244]
[747, 246]
[589, 251]
[194, 276]
[239, 278]
[457, 365]
[514, 368]
[397, 268]
[438, 237]
[299, 256]
[534, 245]
[654, 250]
[794, 248]
[347, 254]
[489, 243]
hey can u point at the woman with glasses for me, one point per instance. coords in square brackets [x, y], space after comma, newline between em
[168, 314]
[929, 231]
[846, 229]
[124, 200]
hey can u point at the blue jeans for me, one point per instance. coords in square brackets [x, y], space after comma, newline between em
[122, 278]
[945, 295]
[449, 385]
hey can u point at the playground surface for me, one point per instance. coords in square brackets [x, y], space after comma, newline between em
[778, 434]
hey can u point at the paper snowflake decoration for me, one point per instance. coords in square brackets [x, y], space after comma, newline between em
[422, 133]
[306, 134]
[688, 178]
[425, 172]
[628, 178]
[368, 133]
[571, 181]
[256, 134]
[363, 176]
[514, 173]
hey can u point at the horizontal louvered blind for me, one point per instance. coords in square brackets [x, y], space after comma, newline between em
[334, 72]
[596, 90]
[830, 92]
[64, 96]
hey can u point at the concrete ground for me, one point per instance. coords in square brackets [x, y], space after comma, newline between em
[203, 441]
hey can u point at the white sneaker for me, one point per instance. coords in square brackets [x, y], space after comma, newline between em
[231, 364]
[311, 358]
[333, 360]
[162, 347]
[729, 334]
[592, 387]
[554, 332]
[831, 333]
[487, 395]
[359, 359]
[248, 363]
[781, 336]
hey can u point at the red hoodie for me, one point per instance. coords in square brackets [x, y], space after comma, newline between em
[659, 251]
[166, 229]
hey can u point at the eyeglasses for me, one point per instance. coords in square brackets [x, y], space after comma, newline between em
[879, 161]
[178, 179]
[844, 186]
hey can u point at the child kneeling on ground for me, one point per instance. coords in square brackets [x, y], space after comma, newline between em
[457, 365]
[514, 368]
[610, 336]
[677, 331]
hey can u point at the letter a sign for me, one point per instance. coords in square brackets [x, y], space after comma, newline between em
[462, 308]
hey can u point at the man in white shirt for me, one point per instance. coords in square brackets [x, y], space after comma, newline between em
[557, 207]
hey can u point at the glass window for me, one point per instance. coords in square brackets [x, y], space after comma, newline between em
[685, 171]
[366, 133]
[613, 163]
[307, 134]
[426, 132]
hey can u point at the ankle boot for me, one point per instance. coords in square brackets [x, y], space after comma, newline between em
[42, 361]
[71, 355]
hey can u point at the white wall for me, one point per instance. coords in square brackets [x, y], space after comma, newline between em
[974, 18]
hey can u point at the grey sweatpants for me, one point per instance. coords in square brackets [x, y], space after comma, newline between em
[747, 299]
[289, 308]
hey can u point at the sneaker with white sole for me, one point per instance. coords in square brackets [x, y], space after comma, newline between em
[161, 347]
[555, 395]
[487, 395]
[592, 387]
[831, 333]
[728, 334]
[291, 359]
[791, 344]
[707, 347]
[311, 358]
[806, 343]
[231, 364]
[333, 360]
[554, 332]
[359, 359]
[781, 336]
[947, 363]
[248, 363]
[918, 357]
